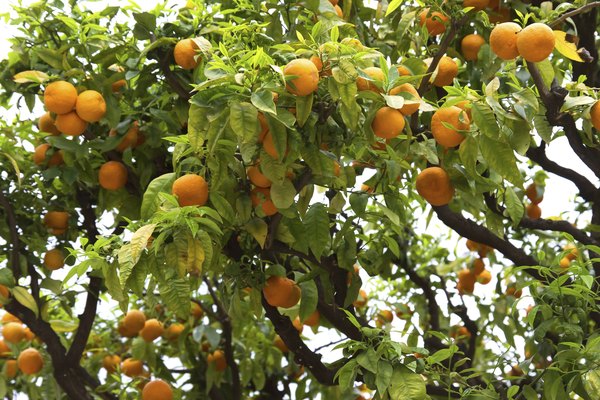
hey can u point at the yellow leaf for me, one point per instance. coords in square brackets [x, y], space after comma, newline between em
[565, 47]
[30, 76]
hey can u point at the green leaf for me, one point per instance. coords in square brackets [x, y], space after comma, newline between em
[63, 326]
[468, 152]
[263, 100]
[23, 296]
[347, 374]
[316, 223]
[406, 385]
[393, 6]
[484, 118]
[151, 200]
[126, 263]
[368, 360]
[547, 71]
[258, 228]
[243, 118]
[111, 281]
[384, 376]
[514, 206]
[176, 295]
[310, 297]
[501, 158]
[139, 241]
[303, 108]
[282, 194]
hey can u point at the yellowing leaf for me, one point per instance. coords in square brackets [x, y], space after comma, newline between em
[566, 48]
[30, 76]
[25, 298]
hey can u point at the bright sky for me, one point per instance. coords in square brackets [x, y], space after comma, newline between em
[557, 199]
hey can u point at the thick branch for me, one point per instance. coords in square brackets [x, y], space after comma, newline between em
[425, 286]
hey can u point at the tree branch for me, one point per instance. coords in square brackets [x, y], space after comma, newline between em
[583, 9]
[15, 244]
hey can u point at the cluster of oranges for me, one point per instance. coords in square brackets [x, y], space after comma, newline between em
[29, 360]
[534, 43]
[535, 194]
[467, 277]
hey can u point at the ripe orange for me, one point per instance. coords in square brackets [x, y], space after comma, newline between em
[595, 115]
[435, 22]
[264, 127]
[281, 292]
[185, 53]
[11, 369]
[4, 349]
[478, 266]
[403, 71]
[8, 317]
[262, 197]
[446, 72]
[60, 97]
[484, 277]
[313, 319]
[152, 329]
[257, 178]
[503, 40]
[454, 116]
[218, 358]
[480, 248]
[190, 190]
[39, 156]
[54, 259]
[535, 42]
[46, 124]
[13, 332]
[317, 61]
[338, 11]
[132, 367]
[173, 332]
[112, 175]
[125, 331]
[30, 361]
[196, 310]
[134, 320]
[573, 253]
[376, 74]
[110, 362]
[361, 299]
[534, 194]
[385, 316]
[70, 124]
[470, 46]
[280, 344]
[269, 146]
[466, 281]
[130, 139]
[90, 106]
[56, 219]
[433, 184]
[388, 123]
[408, 108]
[29, 335]
[511, 290]
[534, 211]
[466, 106]
[157, 390]
[305, 77]
[4, 292]
[298, 325]
[565, 262]
[476, 4]
[117, 85]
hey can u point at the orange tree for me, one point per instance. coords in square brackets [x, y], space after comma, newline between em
[188, 196]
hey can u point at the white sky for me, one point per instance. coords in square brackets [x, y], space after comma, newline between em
[557, 199]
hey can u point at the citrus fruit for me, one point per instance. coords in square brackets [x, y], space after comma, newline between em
[70, 124]
[152, 329]
[132, 367]
[503, 40]
[433, 184]
[262, 197]
[46, 124]
[190, 190]
[281, 292]
[39, 156]
[134, 320]
[304, 77]
[484, 277]
[257, 178]
[117, 85]
[173, 332]
[388, 123]
[361, 299]
[11, 369]
[56, 219]
[218, 359]
[411, 102]
[534, 211]
[30, 361]
[60, 97]
[447, 70]
[376, 74]
[157, 390]
[185, 53]
[54, 259]
[313, 319]
[534, 193]
[470, 46]
[280, 344]
[535, 42]
[112, 175]
[595, 115]
[456, 118]
[13, 332]
[110, 362]
[476, 4]
[435, 22]
[196, 310]
[130, 139]
[90, 106]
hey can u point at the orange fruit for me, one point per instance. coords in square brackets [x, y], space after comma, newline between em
[125, 331]
[446, 72]
[470, 46]
[304, 77]
[117, 85]
[70, 124]
[13, 332]
[111, 362]
[361, 299]
[280, 344]
[29, 335]
[257, 178]
[134, 320]
[132, 367]
[30, 361]
[264, 127]
[511, 290]
[46, 124]
[269, 146]
[4, 349]
[334, 2]
[338, 11]
[262, 197]
[4, 292]
[466, 106]
[281, 292]
[433, 184]
[534, 194]
[152, 330]
[185, 53]
[11, 369]
[484, 277]
[8, 317]
[478, 266]
[385, 316]
[481, 248]
[218, 359]
[173, 332]
[466, 281]
[130, 139]
[503, 40]
[388, 123]
[454, 116]
[435, 22]
[565, 262]
[376, 74]
[190, 190]
[60, 97]
[56, 219]
[317, 61]
[408, 108]
[112, 175]
[571, 255]
[39, 156]
[313, 319]
[534, 211]
[595, 115]
[403, 71]
[157, 390]
[196, 310]
[298, 325]
[476, 4]
[535, 42]
[54, 259]
[90, 106]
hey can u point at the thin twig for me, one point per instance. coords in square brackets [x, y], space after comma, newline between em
[580, 10]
